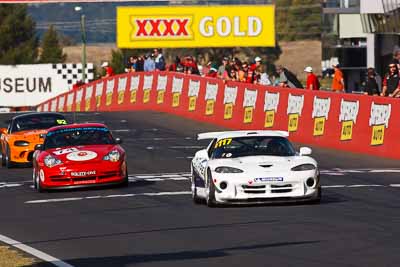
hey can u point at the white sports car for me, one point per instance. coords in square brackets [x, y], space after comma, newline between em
[241, 167]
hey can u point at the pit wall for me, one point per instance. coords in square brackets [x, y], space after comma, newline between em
[348, 122]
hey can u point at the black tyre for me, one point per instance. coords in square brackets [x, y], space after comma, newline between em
[125, 183]
[195, 197]
[3, 159]
[210, 200]
[317, 198]
[39, 187]
[8, 163]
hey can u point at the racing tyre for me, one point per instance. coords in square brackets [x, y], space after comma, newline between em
[195, 198]
[8, 163]
[317, 199]
[38, 185]
[3, 159]
[210, 200]
[125, 183]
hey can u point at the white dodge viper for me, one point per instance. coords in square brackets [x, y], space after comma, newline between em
[241, 167]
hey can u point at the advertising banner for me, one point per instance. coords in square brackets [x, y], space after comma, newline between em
[196, 26]
[30, 85]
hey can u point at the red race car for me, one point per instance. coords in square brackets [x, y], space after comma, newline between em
[79, 155]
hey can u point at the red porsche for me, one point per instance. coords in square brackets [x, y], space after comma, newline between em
[79, 155]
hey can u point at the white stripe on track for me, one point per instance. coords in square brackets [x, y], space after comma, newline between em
[41, 201]
[34, 252]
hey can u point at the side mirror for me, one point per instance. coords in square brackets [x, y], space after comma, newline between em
[39, 147]
[118, 141]
[3, 130]
[202, 154]
[305, 151]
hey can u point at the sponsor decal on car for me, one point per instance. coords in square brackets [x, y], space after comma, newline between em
[83, 173]
[82, 155]
[269, 179]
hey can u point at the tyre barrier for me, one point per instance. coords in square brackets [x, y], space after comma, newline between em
[349, 122]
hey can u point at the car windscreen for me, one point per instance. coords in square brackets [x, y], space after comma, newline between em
[252, 146]
[37, 122]
[78, 137]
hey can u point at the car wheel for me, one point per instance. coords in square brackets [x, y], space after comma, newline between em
[317, 198]
[125, 183]
[34, 178]
[210, 200]
[39, 187]
[9, 164]
[195, 198]
[3, 159]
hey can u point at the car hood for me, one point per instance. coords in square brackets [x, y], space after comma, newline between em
[265, 163]
[31, 135]
[82, 154]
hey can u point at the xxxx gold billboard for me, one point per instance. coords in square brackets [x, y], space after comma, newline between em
[196, 26]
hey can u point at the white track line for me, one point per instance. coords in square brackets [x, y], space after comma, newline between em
[34, 252]
[41, 201]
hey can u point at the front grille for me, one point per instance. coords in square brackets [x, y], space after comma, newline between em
[107, 175]
[82, 179]
[281, 188]
[254, 189]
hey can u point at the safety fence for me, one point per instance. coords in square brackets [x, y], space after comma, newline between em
[355, 123]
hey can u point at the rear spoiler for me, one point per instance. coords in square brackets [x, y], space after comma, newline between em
[226, 134]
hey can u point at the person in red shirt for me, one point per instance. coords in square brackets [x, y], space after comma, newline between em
[312, 79]
[108, 70]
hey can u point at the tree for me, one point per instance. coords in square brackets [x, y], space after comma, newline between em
[117, 61]
[298, 19]
[18, 42]
[51, 49]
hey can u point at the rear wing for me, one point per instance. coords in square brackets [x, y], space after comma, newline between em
[227, 134]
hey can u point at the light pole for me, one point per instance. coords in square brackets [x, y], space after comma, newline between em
[83, 33]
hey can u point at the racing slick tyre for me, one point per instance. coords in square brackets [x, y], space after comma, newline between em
[195, 197]
[317, 199]
[3, 159]
[210, 200]
[37, 183]
[8, 163]
[125, 183]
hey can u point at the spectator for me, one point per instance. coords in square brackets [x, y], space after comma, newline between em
[371, 84]
[245, 74]
[212, 73]
[338, 80]
[108, 70]
[233, 75]
[287, 78]
[257, 63]
[176, 66]
[132, 64]
[391, 86]
[140, 64]
[312, 80]
[222, 68]
[159, 60]
[264, 78]
[149, 64]
[396, 57]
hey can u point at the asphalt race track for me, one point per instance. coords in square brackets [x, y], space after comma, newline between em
[154, 222]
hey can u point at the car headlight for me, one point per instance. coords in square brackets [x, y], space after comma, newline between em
[113, 156]
[51, 161]
[304, 167]
[224, 169]
[21, 143]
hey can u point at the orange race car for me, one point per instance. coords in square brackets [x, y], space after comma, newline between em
[25, 131]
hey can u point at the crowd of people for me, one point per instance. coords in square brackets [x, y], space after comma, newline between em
[233, 69]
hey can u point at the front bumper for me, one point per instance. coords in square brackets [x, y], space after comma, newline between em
[288, 187]
[63, 178]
